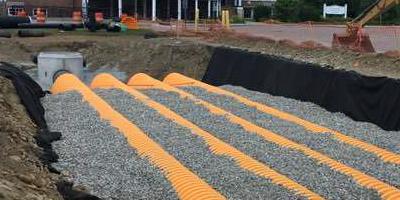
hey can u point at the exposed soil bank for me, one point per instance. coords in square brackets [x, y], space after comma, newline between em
[22, 174]
[369, 64]
[132, 53]
[129, 53]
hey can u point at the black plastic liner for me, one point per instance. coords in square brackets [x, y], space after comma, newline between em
[30, 93]
[12, 22]
[368, 99]
[60, 26]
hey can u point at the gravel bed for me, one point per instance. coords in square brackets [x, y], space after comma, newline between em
[221, 172]
[324, 142]
[97, 156]
[318, 177]
[365, 131]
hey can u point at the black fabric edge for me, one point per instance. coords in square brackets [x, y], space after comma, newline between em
[363, 98]
[30, 94]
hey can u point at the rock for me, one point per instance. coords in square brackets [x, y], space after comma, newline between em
[65, 173]
[40, 182]
[28, 179]
[31, 196]
[6, 185]
[81, 188]
[15, 158]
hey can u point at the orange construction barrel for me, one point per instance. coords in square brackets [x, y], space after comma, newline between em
[124, 16]
[99, 17]
[130, 22]
[77, 16]
[40, 16]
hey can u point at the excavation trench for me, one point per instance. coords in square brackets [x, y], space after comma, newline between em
[359, 97]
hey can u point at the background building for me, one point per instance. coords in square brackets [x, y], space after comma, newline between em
[143, 9]
[53, 8]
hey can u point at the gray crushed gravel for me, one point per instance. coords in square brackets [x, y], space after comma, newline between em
[220, 172]
[95, 155]
[337, 121]
[324, 142]
[317, 177]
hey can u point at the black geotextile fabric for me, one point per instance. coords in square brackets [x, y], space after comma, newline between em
[13, 21]
[30, 93]
[369, 99]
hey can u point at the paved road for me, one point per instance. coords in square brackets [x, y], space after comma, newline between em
[384, 38]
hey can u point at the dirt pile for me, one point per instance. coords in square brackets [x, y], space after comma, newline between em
[22, 175]
[129, 53]
[156, 57]
[190, 56]
[369, 64]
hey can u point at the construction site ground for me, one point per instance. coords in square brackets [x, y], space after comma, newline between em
[384, 38]
[131, 53]
[23, 176]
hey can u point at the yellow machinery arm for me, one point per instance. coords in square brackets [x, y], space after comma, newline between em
[372, 11]
[355, 38]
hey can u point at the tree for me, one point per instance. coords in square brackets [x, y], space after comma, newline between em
[262, 12]
[392, 16]
[298, 10]
[286, 9]
[311, 10]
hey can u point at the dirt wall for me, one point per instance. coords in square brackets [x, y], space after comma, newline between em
[131, 54]
[22, 175]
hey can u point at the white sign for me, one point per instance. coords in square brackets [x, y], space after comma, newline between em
[335, 10]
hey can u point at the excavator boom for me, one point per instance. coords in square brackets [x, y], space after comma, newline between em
[355, 37]
[374, 10]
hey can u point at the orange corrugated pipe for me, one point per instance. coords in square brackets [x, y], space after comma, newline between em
[175, 79]
[185, 182]
[216, 145]
[385, 190]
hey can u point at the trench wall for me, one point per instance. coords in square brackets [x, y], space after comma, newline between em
[368, 99]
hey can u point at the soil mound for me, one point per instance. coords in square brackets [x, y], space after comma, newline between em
[22, 174]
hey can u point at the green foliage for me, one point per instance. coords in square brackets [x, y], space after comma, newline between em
[297, 10]
[237, 20]
[311, 10]
[392, 16]
[286, 10]
[308, 12]
[262, 12]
